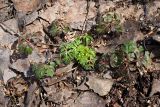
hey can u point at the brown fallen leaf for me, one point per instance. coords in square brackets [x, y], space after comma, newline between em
[63, 70]
[155, 87]
[26, 5]
[100, 86]
[88, 99]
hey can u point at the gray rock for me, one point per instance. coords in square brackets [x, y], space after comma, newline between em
[8, 40]
[80, 25]
[5, 10]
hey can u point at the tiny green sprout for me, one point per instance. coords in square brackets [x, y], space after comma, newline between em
[86, 39]
[109, 22]
[43, 70]
[131, 50]
[25, 49]
[129, 47]
[54, 30]
[116, 59]
[109, 17]
[147, 61]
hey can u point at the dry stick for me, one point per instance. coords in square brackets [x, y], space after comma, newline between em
[30, 95]
[86, 17]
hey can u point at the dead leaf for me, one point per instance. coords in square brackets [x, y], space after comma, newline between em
[63, 70]
[88, 99]
[155, 87]
[26, 5]
[100, 86]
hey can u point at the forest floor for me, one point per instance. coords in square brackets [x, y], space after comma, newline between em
[79, 53]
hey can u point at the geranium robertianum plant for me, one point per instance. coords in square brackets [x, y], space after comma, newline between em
[79, 51]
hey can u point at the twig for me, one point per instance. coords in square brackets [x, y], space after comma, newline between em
[86, 17]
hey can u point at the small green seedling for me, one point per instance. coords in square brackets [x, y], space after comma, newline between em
[116, 59]
[136, 53]
[131, 50]
[146, 61]
[79, 51]
[56, 28]
[109, 22]
[25, 49]
[129, 47]
[86, 39]
[43, 70]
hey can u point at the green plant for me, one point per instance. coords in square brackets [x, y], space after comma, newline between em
[127, 54]
[109, 22]
[131, 50]
[56, 28]
[137, 53]
[146, 61]
[129, 47]
[79, 51]
[111, 17]
[85, 56]
[116, 59]
[25, 49]
[43, 70]
[86, 39]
